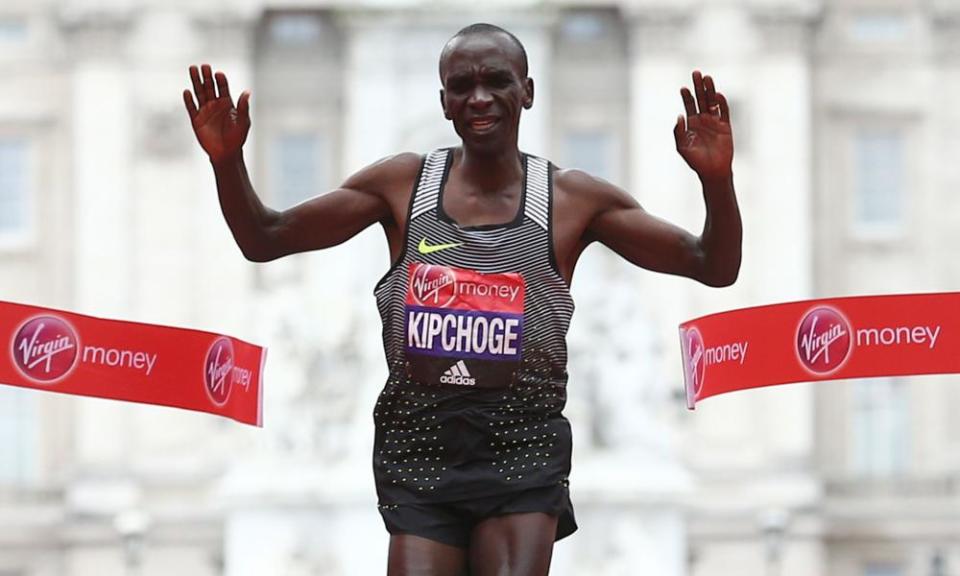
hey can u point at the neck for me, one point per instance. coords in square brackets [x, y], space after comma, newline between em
[491, 170]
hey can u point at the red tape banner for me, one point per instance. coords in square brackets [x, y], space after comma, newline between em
[829, 339]
[71, 353]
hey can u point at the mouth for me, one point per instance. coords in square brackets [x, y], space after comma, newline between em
[483, 123]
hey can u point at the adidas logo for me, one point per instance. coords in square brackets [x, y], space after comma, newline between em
[458, 374]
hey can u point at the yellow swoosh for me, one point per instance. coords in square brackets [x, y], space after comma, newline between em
[424, 248]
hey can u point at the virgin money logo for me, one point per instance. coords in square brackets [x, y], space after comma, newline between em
[217, 371]
[45, 349]
[433, 285]
[693, 359]
[823, 340]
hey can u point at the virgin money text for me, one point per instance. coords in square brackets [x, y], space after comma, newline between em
[896, 335]
[123, 358]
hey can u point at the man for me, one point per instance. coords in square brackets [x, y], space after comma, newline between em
[472, 453]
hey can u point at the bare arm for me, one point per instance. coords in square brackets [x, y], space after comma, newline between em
[622, 225]
[705, 141]
[262, 233]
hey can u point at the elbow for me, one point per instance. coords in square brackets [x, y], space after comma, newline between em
[255, 253]
[262, 245]
[721, 278]
[717, 267]
[255, 256]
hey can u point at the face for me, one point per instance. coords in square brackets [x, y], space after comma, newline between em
[484, 89]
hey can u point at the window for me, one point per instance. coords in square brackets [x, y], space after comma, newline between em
[878, 28]
[740, 124]
[299, 162]
[584, 26]
[18, 429]
[879, 428]
[882, 570]
[879, 174]
[14, 189]
[295, 29]
[591, 151]
[12, 30]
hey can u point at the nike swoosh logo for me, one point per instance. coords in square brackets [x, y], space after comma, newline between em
[425, 248]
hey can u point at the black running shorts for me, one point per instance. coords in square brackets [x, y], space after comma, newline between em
[452, 522]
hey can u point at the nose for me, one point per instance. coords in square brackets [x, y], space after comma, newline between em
[480, 98]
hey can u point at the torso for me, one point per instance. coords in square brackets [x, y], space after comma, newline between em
[571, 215]
[470, 206]
[475, 314]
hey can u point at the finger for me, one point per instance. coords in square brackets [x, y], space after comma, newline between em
[701, 93]
[678, 129]
[222, 87]
[243, 105]
[711, 92]
[188, 102]
[197, 85]
[208, 90]
[688, 104]
[724, 108]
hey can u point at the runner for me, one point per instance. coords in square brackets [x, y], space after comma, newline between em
[472, 454]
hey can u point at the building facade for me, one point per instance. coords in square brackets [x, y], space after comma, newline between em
[843, 130]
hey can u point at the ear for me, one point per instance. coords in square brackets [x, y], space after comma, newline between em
[528, 99]
[443, 104]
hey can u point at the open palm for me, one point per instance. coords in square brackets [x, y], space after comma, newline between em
[220, 127]
[704, 138]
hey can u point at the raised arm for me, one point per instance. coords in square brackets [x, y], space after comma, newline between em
[262, 233]
[705, 141]
[326, 220]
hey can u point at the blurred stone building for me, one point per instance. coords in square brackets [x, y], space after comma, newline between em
[845, 130]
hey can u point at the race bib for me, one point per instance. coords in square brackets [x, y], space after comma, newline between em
[463, 327]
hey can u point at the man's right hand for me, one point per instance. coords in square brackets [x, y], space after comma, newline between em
[220, 127]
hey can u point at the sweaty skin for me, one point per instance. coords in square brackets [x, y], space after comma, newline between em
[485, 89]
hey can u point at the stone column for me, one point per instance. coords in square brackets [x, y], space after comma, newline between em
[627, 488]
[946, 42]
[105, 257]
[658, 177]
[102, 115]
[778, 196]
[945, 129]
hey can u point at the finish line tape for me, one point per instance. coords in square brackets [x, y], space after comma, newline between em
[828, 339]
[59, 351]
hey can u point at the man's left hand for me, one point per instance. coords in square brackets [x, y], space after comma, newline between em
[704, 138]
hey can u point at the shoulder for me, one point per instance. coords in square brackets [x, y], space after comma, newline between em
[387, 173]
[576, 181]
[586, 191]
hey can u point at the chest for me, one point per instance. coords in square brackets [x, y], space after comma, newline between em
[469, 207]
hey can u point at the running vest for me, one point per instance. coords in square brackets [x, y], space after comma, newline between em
[474, 330]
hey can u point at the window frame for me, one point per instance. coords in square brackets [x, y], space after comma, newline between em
[865, 465]
[22, 407]
[611, 133]
[881, 232]
[322, 158]
[26, 237]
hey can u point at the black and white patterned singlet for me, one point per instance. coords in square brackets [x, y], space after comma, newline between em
[474, 329]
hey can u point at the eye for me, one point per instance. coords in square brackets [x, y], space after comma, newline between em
[500, 81]
[458, 85]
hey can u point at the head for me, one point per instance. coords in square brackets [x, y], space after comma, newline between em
[483, 71]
